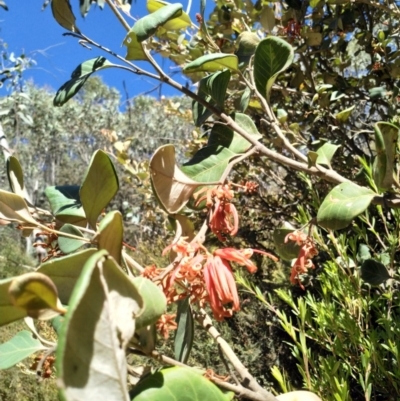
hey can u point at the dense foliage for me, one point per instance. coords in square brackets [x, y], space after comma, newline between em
[295, 154]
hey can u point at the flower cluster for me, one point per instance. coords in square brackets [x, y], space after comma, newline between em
[223, 217]
[306, 253]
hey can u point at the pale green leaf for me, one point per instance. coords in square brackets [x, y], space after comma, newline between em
[326, 153]
[212, 62]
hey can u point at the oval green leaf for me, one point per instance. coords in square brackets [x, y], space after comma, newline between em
[181, 22]
[212, 62]
[8, 312]
[373, 272]
[184, 334]
[79, 77]
[273, 55]
[99, 186]
[14, 208]
[69, 245]
[178, 384]
[326, 153]
[18, 348]
[111, 233]
[62, 13]
[345, 202]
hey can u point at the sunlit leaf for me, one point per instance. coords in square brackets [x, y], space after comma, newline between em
[373, 272]
[91, 362]
[15, 176]
[286, 250]
[62, 13]
[172, 186]
[35, 292]
[110, 234]
[65, 271]
[22, 345]
[14, 208]
[273, 55]
[147, 26]
[181, 22]
[184, 334]
[344, 115]
[177, 384]
[99, 186]
[212, 62]
[326, 153]
[8, 312]
[345, 202]
[79, 77]
[154, 302]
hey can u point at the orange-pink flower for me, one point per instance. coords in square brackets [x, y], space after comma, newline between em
[242, 256]
[221, 287]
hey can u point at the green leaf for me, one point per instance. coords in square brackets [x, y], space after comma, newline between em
[343, 204]
[15, 176]
[79, 77]
[99, 186]
[373, 272]
[65, 271]
[65, 203]
[363, 253]
[171, 186]
[273, 55]
[344, 115]
[110, 234]
[134, 48]
[181, 22]
[92, 360]
[286, 250]
[69, 245]
[184, 334]
[177, 384]
[62, 13]
[386, 136]
[8, 312]
[312, 158]
[14, 208]
[224, 136]
[208, 164]
[36, 294]
[22, 345]
[212, 62]
[154, 302]
[245, 100]
[147, 26]
[215, 85]
[326, 153]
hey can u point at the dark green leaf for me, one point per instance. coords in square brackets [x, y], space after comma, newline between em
[343, 204]
[18, 348]
[99, 186]
[373, 272]
[273, 55]
[79, 77]
[184, 334]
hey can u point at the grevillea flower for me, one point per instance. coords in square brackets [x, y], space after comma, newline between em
[221, 287]
[166, 323]
[223, 217]
[242, 256]
[306, 253]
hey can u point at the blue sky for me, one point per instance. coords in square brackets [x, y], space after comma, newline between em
[25, 28]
